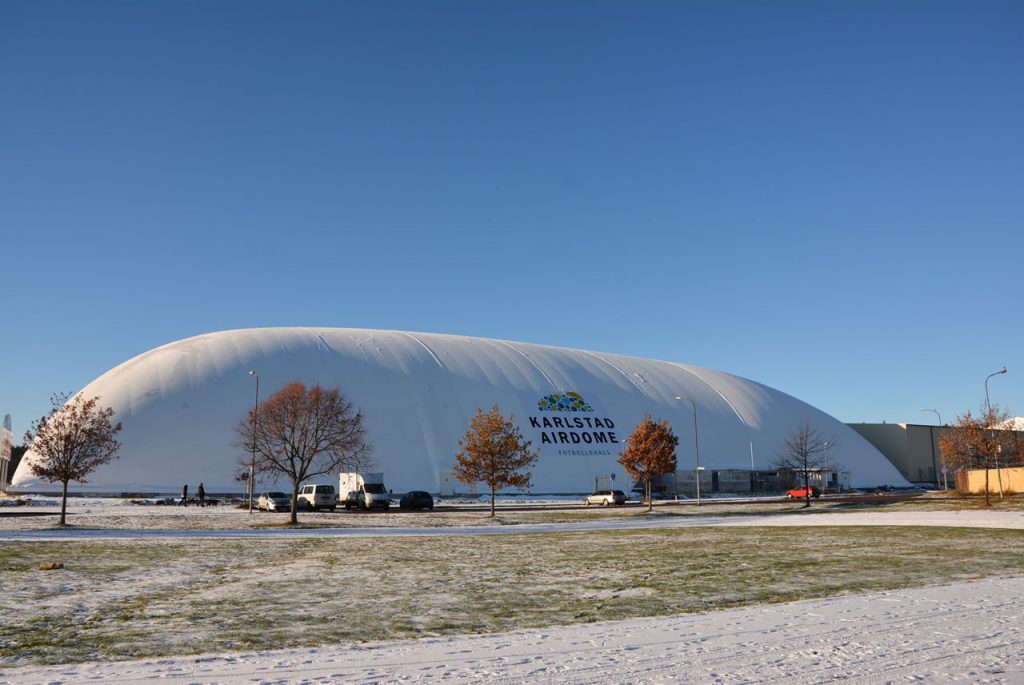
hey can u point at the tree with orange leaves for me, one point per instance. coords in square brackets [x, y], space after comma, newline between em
[973, 443]
[494, 452]
[651, 453]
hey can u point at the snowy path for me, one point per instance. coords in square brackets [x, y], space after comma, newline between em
[971, 519]
[967, 632]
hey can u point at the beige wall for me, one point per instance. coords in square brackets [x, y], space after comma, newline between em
[973, 482]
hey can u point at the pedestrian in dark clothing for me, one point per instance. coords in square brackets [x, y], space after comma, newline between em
[202, 495]
[184, 495]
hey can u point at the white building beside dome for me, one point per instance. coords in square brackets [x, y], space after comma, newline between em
[180, 403]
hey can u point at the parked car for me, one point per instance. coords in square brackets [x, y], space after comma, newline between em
[416, 499]
[317, 496]
[274, 501]
[606, 497]
[801, 492]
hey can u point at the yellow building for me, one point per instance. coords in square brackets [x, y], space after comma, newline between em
[973, 482]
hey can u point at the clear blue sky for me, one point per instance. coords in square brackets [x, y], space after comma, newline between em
[826, 197]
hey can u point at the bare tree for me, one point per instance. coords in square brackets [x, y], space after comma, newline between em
[71, 441]
[494, 452]
[971, 443]
[651, 453]
[302, 432]
[803, 452]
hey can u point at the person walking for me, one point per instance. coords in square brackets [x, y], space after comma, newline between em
[184, 495]
[202, 495]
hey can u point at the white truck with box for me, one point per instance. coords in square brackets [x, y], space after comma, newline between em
[363, 491]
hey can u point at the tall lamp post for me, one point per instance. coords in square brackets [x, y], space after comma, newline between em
[824, 479]
[988, 418]
[988, 406]
[252, 462]
[945, 483]
[696, 443]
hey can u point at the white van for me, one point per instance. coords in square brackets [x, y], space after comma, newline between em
[318, 496]
[364, 491]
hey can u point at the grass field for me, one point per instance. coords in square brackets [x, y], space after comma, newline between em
[144, 598]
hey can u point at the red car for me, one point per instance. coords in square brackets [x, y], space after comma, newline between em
[801, 492]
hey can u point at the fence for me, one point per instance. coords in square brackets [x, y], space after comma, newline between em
[973, 482]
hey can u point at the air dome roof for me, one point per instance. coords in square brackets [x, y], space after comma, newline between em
[180, 403]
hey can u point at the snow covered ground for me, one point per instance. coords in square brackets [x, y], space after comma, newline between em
[964, 632]
[967, 632]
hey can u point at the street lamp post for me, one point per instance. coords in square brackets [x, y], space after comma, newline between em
[252, 462]
[988, 406]
[945, 484]
[824, 479]
[696, 443]
[988, 418]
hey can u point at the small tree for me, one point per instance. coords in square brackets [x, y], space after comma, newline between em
[971, 443]
[651, 453]
[303, 432]
[494, 452]
[71, 441]
[803, 452]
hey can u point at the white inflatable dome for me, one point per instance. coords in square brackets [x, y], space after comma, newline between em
[180, 404]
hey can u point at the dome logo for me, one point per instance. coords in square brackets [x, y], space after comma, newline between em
[590, 433]
[569, 401]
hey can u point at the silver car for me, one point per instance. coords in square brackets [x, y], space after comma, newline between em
[606, 497]
[274, 501]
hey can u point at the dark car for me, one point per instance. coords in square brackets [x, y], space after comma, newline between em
[416, 499]
[801, 492]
